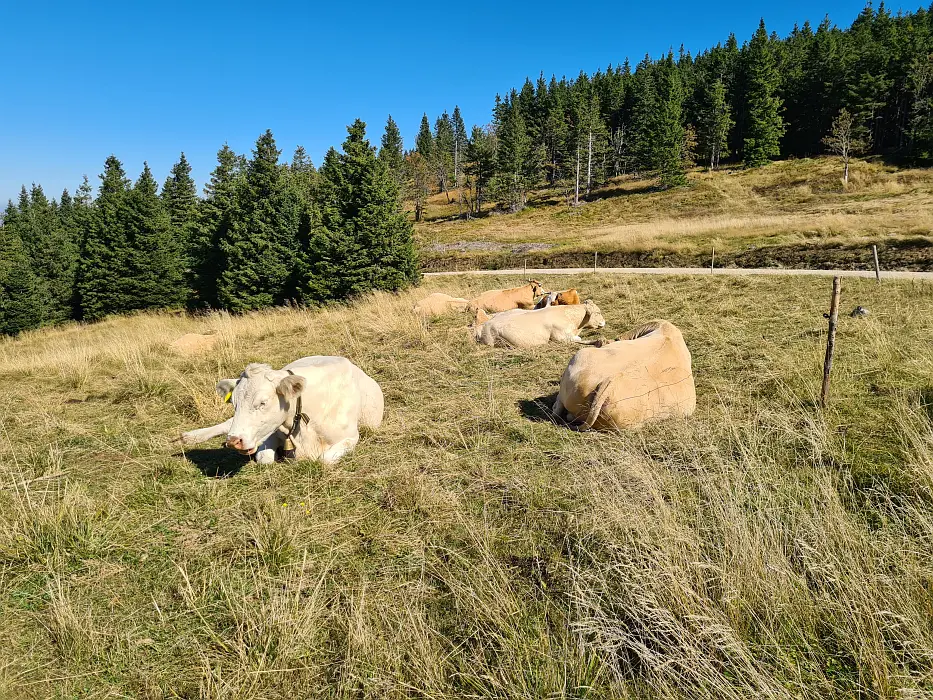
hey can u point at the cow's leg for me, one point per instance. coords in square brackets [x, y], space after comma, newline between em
[195, 437]
[338, 450]
[558, 408]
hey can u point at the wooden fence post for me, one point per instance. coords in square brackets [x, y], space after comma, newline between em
[874, 250]
[830, 339]
[595, 255]
[524, 267]
[712, 261]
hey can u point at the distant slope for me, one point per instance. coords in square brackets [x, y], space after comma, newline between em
[792, 213]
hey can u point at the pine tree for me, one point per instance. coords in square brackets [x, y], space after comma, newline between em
[260, 242]
[459, 143]
[53, 255]
[424, 142]
[516, 163]
[670, 144]
[392, 152]
[715, 124]
[303, 174]
[21, 305]
[157, 261]
[444, 152]
[645, 116]
[180, 200]
[765, 126]
[104, 282]
[365, 241]
[480, 165]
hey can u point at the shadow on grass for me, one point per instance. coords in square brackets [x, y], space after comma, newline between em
[539, 409]
[216, 463]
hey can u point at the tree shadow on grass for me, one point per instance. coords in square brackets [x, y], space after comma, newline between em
[216, 463]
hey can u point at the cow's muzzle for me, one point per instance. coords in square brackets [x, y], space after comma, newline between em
[237, 444]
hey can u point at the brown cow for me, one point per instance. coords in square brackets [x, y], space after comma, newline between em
[496, 300]
[438, 304]
[568, 297]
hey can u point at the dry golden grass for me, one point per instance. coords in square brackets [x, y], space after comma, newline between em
[470, 547]
[785, 203]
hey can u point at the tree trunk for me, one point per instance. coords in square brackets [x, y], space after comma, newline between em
[589, 164]
[576, 189]
[457, 179]
[845, 171]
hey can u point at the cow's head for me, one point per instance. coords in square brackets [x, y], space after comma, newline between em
[536, 288]
[261, 400]
[593, 318]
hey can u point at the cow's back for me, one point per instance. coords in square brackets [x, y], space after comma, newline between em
[648, 378]
[438, 304]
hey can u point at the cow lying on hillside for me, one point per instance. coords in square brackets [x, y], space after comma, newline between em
[568, 297]
[496, 300]
[314, 406]
[438, 304]
[645, 375]
[526, 328]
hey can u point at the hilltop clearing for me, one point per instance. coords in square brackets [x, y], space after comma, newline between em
[792, 213]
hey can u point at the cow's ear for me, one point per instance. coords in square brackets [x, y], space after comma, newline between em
[225, 388]
[290, 386]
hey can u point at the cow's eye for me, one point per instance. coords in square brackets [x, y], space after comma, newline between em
[263, 404]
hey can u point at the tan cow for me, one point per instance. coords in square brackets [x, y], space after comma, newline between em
[496, 300]
[526, 328]
[645, 375]
[568, 297]
[438, 304]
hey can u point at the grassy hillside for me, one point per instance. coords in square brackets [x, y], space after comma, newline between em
[793, 213]
[471, 548]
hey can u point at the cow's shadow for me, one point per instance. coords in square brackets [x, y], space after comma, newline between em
[539, 409]
[217, 463]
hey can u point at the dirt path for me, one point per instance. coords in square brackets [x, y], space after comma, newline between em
[727, 271]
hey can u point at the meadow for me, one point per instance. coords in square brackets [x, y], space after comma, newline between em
[794, 213]
[472, 547]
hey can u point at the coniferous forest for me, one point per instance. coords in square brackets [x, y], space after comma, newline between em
[266, 233]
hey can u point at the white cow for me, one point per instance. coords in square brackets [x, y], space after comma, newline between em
[317, 403]
[526, 328]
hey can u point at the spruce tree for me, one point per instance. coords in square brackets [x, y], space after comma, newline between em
[444, 152]
[715, 124]
[180, 199]
[670, 144]
[21, 304]
[157, 262]
[764, 124]
[516, 162]
[459, 144]
[53, 255]
[424, 142]
[365, 241]
[259, 246]
[480, 165]
[216, 214]
[392, 151]
[104, 282]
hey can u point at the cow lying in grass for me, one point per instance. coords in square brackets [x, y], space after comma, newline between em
[314, 406]
[526, 328]
[567, 297]
[496, 300]
[645, 375]
[438, 304]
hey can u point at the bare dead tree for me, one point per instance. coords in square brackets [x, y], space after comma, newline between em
[844, 142]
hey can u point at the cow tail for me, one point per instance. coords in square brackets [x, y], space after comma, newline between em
[596, 406]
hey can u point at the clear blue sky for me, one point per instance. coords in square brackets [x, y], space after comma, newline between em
[147, 80]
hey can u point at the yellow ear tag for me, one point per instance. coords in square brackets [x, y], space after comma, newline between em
[228, 397]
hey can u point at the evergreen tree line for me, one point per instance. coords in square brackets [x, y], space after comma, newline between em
[264, 233]
[769, 98]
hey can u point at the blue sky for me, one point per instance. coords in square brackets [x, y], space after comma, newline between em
[145, 81]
